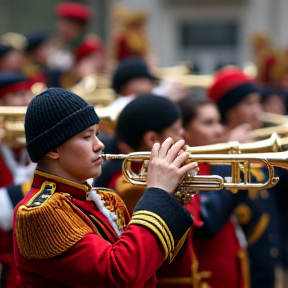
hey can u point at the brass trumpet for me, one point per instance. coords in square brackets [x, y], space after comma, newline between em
[273, 144]
[240, 163]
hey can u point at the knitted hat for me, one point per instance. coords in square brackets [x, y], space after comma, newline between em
[53, 117]
[129, 69]
[147, 112]
[230, 86]
[13, 82]
[74, 10]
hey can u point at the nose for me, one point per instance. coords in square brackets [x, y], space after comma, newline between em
[219, 130]
[98, 145]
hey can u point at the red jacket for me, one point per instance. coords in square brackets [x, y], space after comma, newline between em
[183, 271]
[63, 240]
[6, 238]
[221, 254]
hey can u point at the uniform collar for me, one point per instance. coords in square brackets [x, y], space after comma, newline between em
[76, 190]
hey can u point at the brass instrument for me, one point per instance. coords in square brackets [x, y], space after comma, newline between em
[273, 144]
[267, 131]
[182, 75]
[95, 90]
[190, 184]
[12, 125]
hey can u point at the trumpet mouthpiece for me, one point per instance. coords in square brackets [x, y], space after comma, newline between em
[113, 156]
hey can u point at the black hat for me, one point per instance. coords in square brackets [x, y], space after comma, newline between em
[5, 48]
[13, 82]
[147, 112]
[129, 69]
[53, 117]
[35, 39]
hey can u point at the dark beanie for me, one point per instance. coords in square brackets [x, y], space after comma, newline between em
[53, 117]
[230, 86]
[36, 39]
[4, 49]
[147, 112]
[129, 69]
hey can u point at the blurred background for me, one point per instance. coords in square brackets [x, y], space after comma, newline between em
[208, 33]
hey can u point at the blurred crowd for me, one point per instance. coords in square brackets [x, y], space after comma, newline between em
[238, 240]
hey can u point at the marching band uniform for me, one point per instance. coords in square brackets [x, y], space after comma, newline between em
[16, 174]
[82, 231]
[130, 39]
[216, 244]
[36, 57]
[257, 216]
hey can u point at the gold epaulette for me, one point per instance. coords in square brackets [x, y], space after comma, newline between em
[113, 202]
[47, 225]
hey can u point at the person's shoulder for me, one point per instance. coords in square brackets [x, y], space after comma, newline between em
[47, 224]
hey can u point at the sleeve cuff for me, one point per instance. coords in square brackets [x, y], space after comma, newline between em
[158, 211]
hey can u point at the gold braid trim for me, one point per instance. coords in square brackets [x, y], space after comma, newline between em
[155, 223]
[244, 262]
[178, 247]
[259, 229]
[50, 229]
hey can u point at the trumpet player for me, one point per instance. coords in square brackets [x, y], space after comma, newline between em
[217, 245]
[64, 229]
[238, 100]
[16, 172]
[146, 120]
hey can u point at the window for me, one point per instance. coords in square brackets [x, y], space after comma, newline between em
[208, 34]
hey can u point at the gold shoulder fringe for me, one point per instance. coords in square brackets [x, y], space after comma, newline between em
[50, 229]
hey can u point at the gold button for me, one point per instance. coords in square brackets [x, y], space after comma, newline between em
[264, 194]
[274, 252]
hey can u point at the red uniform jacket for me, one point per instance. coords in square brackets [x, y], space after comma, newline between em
[220, 255]
[6, 239]
[63, 240]
[183, 271]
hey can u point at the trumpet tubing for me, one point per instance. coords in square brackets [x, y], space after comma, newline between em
[191, 184]
[273, 144]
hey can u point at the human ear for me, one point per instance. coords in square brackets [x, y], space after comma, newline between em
[149, 138]
[53, 154]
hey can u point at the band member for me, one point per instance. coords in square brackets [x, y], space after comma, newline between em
[133, 135]
[238, 99]
[72, 21]
[36, 55]
[216, 244]
[16, 172]
[11, 58]
[64, 229]
[130, 128]
[129, 38]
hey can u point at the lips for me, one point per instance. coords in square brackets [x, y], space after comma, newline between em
[99, 158]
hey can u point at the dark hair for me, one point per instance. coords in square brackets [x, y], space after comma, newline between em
[147, 112]
[189, 107]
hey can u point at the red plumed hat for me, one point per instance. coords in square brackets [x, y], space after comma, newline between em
[230, 86]
[73, 10]
[89, 45]
[226, 80]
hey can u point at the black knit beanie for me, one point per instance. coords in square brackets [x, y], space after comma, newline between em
[147, 112]
[53, 117]
[129, 69]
